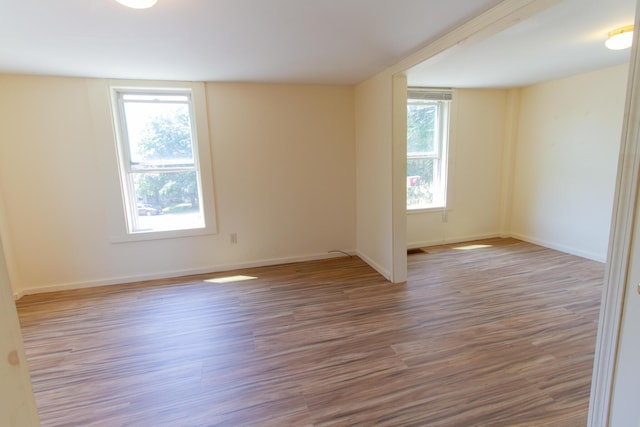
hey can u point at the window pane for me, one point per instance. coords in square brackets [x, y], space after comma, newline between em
[421, 127]
[421, 183]
[159, 134]
[167, 201]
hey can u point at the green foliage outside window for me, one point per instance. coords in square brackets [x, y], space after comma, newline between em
[168, 137]
[421, 148]
[421, 120]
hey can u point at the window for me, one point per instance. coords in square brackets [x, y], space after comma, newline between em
[158, 159]
[427, 141]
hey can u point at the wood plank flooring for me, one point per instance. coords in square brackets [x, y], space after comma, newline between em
[501, 335]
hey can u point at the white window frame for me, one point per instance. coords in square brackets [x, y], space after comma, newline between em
[442, 98]
[127, 172]
[118, 204]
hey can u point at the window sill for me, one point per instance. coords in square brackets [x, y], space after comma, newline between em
[435, 209]
[161, 235]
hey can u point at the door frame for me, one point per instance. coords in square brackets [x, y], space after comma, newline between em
[616, 279]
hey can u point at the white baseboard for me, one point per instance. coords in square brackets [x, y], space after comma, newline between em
[562, 248]
[383, 271]
[176, 273]
[288, 260]
[427, 243]
[540, 242]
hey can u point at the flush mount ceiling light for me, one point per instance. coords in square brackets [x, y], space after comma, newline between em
[138, 4]
[620, 38]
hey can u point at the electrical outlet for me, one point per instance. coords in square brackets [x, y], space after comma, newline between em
[234, 238]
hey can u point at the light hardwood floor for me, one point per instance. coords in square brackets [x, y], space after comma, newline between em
[495, 336]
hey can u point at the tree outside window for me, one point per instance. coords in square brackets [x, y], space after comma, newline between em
[159, 161]
[427, 140]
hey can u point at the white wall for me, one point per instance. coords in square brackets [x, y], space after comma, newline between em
[17, 405]
[553, 185]
[475, 163]
[566, 160]
[284, 161]
[285, 181]
[373, 118]
[283, 158]
[626, 381]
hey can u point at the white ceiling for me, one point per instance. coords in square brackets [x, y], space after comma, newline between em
[293, 41]
[563, 40]
[301, 41]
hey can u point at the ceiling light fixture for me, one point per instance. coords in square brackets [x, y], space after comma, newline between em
[620, 38]
[138, 4]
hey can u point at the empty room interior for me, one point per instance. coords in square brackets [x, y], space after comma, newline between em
[280, 213]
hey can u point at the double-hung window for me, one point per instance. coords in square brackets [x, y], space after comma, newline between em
[427, 144]
[159, 160]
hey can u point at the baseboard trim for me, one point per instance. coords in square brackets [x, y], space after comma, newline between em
[289, 260]
[177, 273]
[415, 245]
[540, 242]
[562, 248]
[377, 267]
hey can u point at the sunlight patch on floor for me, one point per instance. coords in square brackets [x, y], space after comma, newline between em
[230, 279]
[471, 247]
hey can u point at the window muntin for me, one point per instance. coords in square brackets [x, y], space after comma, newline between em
[427, 140]
[158, 158]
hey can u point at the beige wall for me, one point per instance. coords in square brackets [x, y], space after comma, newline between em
[537, 163]
[17, 404]
[302, 170]
[373, 119]
[283, 158]
[475, 165]
[566, 161]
